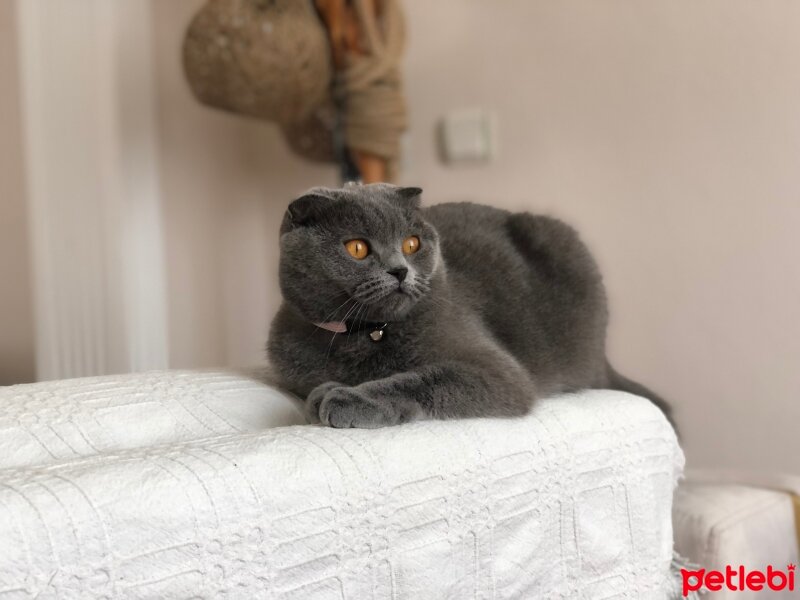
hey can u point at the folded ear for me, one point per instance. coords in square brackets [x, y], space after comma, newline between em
[409, 197]
[305, 210]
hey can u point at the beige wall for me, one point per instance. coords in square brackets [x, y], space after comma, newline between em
[225, 183]
[667, 132]
[17, 360]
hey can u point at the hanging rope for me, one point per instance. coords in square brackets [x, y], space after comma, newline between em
[370, 86]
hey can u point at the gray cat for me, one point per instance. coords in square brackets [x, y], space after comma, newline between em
[394, 312]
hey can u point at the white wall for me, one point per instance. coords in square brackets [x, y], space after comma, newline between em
[667, 132]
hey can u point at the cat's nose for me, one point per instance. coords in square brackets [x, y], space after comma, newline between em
[399, 272]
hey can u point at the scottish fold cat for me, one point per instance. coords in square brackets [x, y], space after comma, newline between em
[393, 312]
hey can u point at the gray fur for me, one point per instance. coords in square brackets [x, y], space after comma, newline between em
[498, 309]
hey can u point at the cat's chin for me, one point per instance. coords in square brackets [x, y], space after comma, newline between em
[394, 307]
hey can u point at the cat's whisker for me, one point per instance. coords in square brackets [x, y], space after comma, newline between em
[336, 310]
[369, 285]
[347, 314]
[331, 314]
[376, 295]
[355, 319]
[364, 314]
[439, 302]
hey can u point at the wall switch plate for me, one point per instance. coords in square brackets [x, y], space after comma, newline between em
[468, 135]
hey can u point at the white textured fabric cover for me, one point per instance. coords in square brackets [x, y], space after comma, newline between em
[726, 524]
[168, 485]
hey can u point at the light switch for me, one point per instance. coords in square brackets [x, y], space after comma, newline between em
[468, 135]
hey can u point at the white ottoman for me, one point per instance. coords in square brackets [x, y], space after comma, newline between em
[719, 524]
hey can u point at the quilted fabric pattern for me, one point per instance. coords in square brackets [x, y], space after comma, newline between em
[61, 420]
[179, 491]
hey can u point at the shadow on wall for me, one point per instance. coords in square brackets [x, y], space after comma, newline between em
[17, 360]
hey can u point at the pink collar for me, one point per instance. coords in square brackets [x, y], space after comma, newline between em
[333, 326]
[376, 331]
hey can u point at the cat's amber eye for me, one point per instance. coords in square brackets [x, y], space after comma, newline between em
[358, 249]
[410, 244]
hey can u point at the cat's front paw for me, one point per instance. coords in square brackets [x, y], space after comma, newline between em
[315, 397]
[344, 407]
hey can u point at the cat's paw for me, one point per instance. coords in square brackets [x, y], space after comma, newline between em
[344, 407]
[314, 399]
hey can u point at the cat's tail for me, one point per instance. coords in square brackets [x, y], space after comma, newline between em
[623, 384]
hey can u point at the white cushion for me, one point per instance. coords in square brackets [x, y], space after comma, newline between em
[175, 485]
[727, 524]
[61, 420]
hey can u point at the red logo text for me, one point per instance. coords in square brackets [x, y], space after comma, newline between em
[738, 579]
